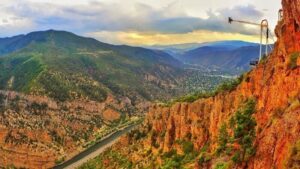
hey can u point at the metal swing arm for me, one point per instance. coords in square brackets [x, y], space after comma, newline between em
[263, 26]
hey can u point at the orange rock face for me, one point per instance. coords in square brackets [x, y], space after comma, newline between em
[274, 85]
[290, 27]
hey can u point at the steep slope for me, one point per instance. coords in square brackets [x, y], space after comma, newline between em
[256, 125]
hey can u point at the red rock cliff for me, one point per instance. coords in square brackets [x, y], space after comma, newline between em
[275, 85]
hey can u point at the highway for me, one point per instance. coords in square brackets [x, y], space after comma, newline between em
[94, 150]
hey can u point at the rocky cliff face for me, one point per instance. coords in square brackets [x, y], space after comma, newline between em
[288, 29]
[274, 84]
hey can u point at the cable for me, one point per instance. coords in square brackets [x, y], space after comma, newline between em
[270, 47]
[272, 37]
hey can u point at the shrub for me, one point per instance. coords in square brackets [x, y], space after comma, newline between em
[243, 126]
[2, 102]
[153, 139]
[171, 163]
[229, 85]
[293, 60]
[2, 98]
[294, 157]
[204, 158]
[223, 139]
[236, 157]
[169, 154]
[155, 145]
[221, 166]
[188, 147]
[193, 97]
[137, 134]
[163, 134]
[244, 130]
[172, 160]
[188, 136]
[60, 160]
[10, 167]
[37, 106]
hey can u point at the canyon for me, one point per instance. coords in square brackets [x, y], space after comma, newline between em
[39, 132]
[272, 87]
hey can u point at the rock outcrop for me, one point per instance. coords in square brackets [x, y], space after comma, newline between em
[274, 84]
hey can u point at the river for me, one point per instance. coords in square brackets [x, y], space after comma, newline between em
[94, 150]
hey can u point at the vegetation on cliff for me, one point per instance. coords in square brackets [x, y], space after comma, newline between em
[254, 124]
[235, 141]
[293, 60]
[236, 137]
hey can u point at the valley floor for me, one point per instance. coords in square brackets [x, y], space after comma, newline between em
[95, 150]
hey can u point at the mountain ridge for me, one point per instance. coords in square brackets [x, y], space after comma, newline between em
[227, 56]
[225, 59]
[252, 124]
[85, 52]
[189, 46]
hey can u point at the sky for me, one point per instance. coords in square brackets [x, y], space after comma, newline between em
[140, 22]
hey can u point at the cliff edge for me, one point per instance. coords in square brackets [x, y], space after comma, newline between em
[264, 136]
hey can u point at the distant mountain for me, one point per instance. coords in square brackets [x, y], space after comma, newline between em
[225, 58]
[8, 45]
[229, 44]
[65, 66]
[228, 56]
[175, 49]
[181, 48]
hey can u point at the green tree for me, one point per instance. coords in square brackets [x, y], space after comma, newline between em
[244, 130]
[223, 139]
[242, 125]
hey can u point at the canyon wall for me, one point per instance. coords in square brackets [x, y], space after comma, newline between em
[274, 84]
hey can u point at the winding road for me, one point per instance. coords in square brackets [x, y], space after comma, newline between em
[94, 150]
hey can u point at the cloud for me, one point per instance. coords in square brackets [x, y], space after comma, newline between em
[11, 23]
[133, 17]
[140, 38]
[121, 19]
[215, 21]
